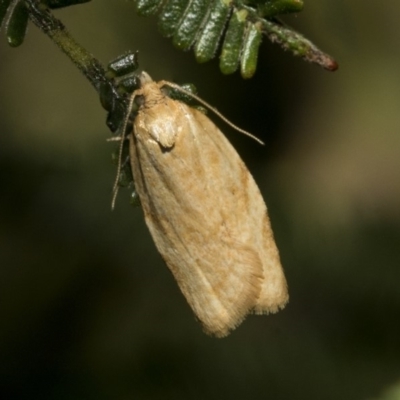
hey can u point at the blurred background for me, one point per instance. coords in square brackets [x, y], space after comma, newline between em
[88, 310]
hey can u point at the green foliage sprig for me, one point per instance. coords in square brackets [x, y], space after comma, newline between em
[232, 27]
[238, 24]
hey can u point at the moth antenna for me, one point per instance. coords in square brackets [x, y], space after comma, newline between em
[121, 145]
[213, 109]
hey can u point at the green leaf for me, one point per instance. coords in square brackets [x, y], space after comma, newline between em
[213, 29]
[248, 61]
[231, 49]
[187, 29]
[272, 8]
[171, 15]
[293, 41]
[3, 9]
[147, 7]
[123, 65]
[17, 25]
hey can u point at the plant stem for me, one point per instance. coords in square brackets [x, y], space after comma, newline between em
[56, 31]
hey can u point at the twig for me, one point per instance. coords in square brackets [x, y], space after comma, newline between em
[56, 31]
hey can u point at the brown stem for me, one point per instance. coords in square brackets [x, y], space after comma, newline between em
[56, 31]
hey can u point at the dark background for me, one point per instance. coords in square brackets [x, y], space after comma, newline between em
[88, 310]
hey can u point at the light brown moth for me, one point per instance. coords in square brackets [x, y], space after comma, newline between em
[204, 211]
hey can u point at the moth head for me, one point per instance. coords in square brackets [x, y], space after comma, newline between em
[144, 78]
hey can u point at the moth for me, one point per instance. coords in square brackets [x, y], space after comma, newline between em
[204, 211]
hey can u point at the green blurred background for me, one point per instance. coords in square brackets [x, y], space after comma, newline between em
[89, 311]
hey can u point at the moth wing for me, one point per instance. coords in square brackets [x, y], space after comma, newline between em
[253, 221]
[205, 214]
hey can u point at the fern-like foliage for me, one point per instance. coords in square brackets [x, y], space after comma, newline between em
[238, 24]
[232, 28]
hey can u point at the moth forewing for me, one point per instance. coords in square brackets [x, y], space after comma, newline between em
[205, 213]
